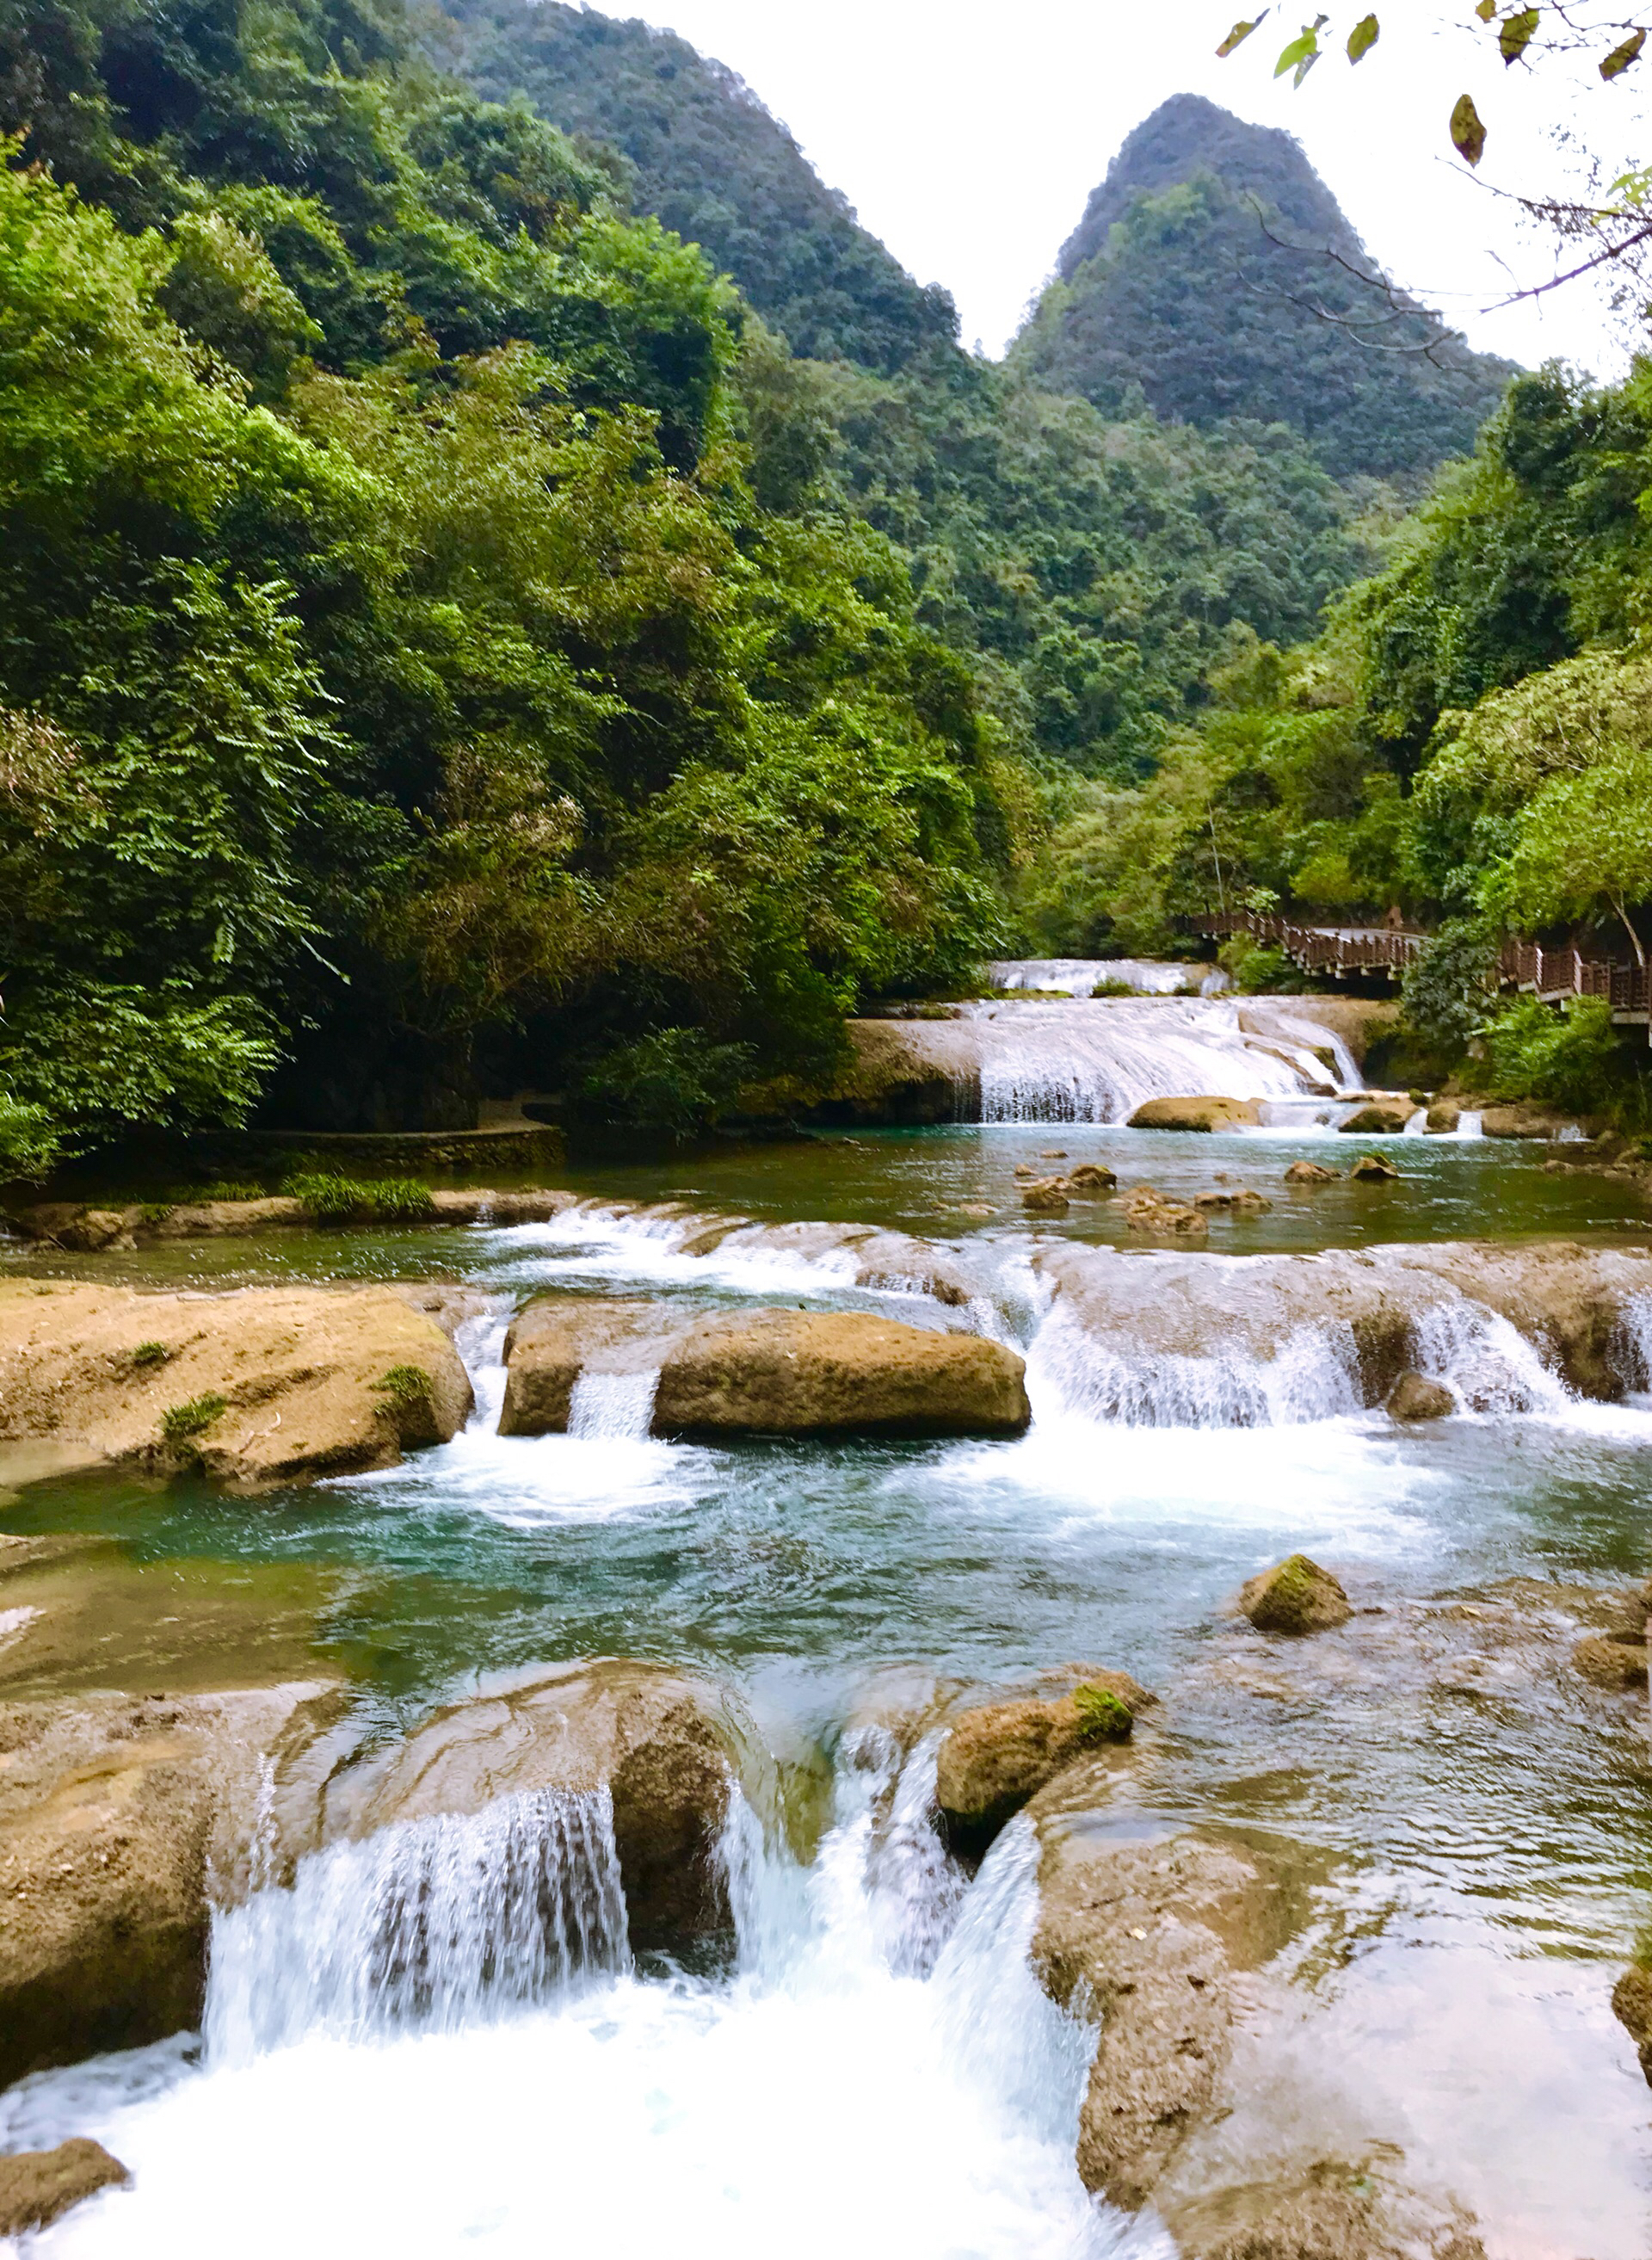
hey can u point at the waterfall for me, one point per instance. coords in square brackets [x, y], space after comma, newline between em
[1313, 1376]
[613, 1407]
[434, 1923]
[1485, 1362]
[1098, 1062]
[1082, 976]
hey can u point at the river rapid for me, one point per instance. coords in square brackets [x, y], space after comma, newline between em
[439, 2042]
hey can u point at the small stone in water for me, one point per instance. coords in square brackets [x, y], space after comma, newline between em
[1052, 1154]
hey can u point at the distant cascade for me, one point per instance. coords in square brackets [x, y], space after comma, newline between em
[435, 1923]
[1097, 1062]
[1632, 1344]
[1313, 1376]
[1485, 1362]
[1082, 976]
[613, 1407]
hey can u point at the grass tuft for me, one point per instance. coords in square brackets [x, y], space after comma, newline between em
[153, 1353]
[1102, 1717]
[332, 1200]
[179, 1422]
[404, 1384]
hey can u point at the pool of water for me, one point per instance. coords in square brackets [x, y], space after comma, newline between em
[1476, 1822]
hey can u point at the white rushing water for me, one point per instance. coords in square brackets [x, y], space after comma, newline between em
[1098, 1062]
[1082, 976]
[436, 2044]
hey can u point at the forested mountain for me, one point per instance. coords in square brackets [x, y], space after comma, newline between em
[703, 154]
[1213, 274]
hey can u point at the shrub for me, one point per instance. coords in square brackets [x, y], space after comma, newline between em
[29, 1143]
[179, 1422]
[1572, 1057]
[333, 1199]
[231, 1188]
[152, 1352]
[1450, 985]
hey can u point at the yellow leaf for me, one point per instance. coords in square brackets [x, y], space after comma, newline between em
[1362, 38]
[1468, 135]
[1620, 58]
[1239, 34]
[1486, 9]
[1516, 34]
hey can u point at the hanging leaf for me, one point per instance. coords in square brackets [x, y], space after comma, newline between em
[1486, 9]
[1302, 54]
[1516, 34]
[1241, 33]
[1620, 58]
[1364, 38]
[1468, 135]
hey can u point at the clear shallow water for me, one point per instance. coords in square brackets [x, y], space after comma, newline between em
[1476, 1822]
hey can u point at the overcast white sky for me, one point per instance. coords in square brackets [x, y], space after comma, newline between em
[969, 136]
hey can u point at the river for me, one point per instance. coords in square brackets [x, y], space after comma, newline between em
[872, 2069]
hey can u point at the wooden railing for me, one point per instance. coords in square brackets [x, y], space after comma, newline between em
[1550, 973]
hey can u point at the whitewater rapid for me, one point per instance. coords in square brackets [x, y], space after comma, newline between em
[437, 2040]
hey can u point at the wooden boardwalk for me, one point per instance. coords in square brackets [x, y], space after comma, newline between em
[1553, 974]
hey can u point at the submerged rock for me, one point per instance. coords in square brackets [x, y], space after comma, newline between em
[112, 1814]
[38, 2187]
[1295, 1595]
[995, 1759]
[659, 1739]
[1091, 1177]
[265, 1386]
[1311, 1173]
[1373, 1168]
[773, 1372]
[1045, 1196]
[1210, 1110]
[1618, 1664]
[1414, 1396]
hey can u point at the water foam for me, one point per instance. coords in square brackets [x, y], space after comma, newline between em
[1486, 1363]
[827, 2097]
[1313, 1376]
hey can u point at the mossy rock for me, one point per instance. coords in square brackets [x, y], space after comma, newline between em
[1296, 1596]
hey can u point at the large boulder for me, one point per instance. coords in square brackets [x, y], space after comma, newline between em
[1208, 1111]
[1144, 1939]
[113, 1814]
[265, 1386]
[1379, 1118]
[38, 2187]
[1617, 1665]
[996, 1757]
[1632, 2005]
[772, 1372]
[1296, 1596]
[1525, 1118]
[661, 1740]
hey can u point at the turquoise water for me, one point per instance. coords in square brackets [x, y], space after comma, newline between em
[1476, 1821]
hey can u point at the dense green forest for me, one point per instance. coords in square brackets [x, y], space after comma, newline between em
[1213, 275]
[450, 641]
[397, 666]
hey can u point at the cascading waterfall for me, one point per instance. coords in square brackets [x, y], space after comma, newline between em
[1071, 1375]
[1082, 976]
[613, 1407]
[433, 1923]
[433, 2042]
[1098, 1062]
[1485, 1362]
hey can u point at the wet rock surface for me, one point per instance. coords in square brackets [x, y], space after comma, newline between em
[1414, 1396]
[789, 1372]
[1632, 2005]
[1619, 1666]
[264, 1386]
[661, 1742]
[1295, 1596]
[997, 1756]
[37, 2187]
[114, 1816]
[1204, 1112]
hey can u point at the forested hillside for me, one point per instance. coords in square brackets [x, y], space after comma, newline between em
[401, 683]
[1214, 276]
[703, 153]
